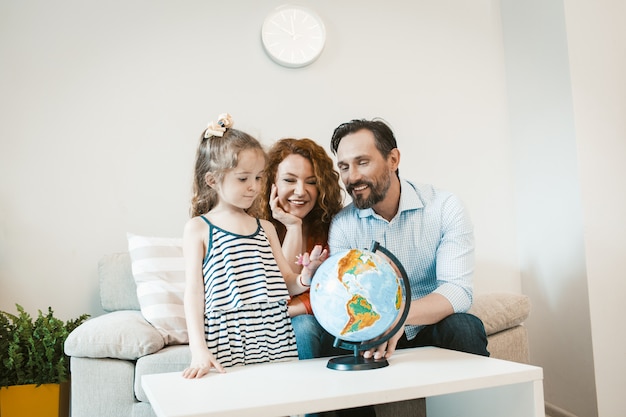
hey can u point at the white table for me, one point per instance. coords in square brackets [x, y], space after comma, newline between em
[453, 383]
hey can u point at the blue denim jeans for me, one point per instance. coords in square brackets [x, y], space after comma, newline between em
[312, 340]
[460, 331]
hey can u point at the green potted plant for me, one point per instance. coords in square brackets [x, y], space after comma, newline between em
[32, 362]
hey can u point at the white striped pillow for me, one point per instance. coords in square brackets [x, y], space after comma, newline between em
[159, 271]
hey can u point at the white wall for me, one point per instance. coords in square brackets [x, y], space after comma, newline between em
[549, 213]
[103, 103]
[597, 44]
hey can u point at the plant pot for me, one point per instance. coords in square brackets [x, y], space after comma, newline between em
[46, 400]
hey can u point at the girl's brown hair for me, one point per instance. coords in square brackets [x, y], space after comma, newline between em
[217, 155]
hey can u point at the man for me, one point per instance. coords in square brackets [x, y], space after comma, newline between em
[427, 229]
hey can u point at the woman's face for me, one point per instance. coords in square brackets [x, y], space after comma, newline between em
[296, 185]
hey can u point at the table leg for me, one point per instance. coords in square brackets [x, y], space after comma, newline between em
[516, 400]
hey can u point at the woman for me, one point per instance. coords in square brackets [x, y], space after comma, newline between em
[300, 196]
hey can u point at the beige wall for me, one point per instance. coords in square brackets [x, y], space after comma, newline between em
[103, 102]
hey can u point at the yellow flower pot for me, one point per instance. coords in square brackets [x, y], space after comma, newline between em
[47, 400]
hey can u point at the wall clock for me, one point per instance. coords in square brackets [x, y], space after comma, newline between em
[293, 36]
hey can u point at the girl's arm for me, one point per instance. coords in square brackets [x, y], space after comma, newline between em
[194, 250]
[296, 283]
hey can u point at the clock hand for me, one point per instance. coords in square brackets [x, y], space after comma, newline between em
[283, 29]
[293, 30]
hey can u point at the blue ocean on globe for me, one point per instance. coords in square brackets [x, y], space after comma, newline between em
[356, 295]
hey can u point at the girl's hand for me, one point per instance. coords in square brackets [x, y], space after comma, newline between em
[279, 213]
[310, 262]
[201, 366]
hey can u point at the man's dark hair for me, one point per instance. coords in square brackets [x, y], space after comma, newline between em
[383, 135]
[385, 140]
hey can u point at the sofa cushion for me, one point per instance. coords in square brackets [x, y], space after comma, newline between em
[500, 310]
[169, 359]
[117, 286]
[119, 335]
[510, 345]
[159, 271]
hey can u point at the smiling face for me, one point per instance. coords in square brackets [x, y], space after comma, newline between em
[296, 185]
[364, 171]
[241, 185]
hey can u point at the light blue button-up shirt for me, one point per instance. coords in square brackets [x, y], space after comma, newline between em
[431, 235]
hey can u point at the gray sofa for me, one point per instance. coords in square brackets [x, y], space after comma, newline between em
[111, 352]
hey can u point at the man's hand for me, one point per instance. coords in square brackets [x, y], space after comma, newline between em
[385, 350]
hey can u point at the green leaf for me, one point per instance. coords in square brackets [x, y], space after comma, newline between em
[31, 351]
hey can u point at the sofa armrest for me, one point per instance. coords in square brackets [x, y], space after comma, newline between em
[120, 335]
[500, 310]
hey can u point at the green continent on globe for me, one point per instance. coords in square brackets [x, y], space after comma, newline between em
[354, 264]
[360, 314]
[399, 298]
[356, 295]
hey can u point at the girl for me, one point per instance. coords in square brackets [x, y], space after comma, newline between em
[238, 281]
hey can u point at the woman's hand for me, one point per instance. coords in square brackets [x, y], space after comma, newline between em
[289, 220]
[200, 366]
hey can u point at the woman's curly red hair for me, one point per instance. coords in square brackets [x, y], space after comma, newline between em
[329, 199]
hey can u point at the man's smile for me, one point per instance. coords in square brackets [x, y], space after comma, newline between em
[358, 187]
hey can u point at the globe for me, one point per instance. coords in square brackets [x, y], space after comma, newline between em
[356, 295]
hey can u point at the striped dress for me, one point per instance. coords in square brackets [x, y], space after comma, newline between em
[245, 319]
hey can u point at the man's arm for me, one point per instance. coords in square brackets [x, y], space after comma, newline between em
[455, 256]
[430, 309]
[455, 269]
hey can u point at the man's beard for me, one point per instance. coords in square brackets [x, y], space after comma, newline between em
[378, 191]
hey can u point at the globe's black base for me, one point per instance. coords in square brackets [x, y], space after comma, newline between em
[355, 363]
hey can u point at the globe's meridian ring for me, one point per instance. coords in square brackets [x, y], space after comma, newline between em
[357, 361]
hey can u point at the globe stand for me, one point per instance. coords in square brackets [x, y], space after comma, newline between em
[357, 362]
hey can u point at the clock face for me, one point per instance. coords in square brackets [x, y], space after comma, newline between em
[293, 36]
